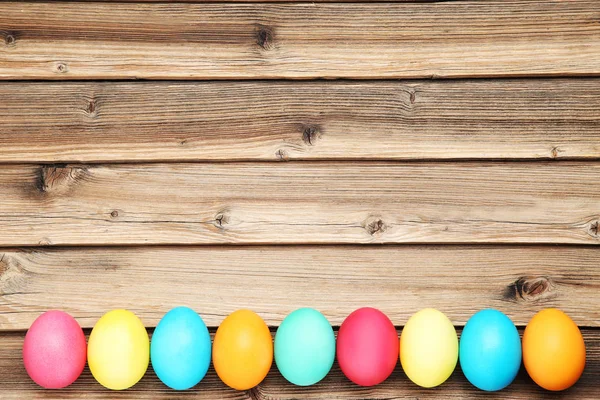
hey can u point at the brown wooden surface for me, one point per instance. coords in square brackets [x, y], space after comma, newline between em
[274, 281]
[307, 40]
[224, 121]
[300, 203]
[458, 194]
[16, 384]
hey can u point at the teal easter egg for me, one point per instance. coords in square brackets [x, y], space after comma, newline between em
[304, 347]
[180, 349]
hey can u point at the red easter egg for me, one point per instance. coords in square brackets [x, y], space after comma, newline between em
[367, 347]
[54, 351]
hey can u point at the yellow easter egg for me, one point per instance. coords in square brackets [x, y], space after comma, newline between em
[428, 348]
[118, 350]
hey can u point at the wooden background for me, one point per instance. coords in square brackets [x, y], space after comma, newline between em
[271, 156]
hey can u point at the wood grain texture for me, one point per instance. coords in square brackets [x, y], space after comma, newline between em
[275, 280]
[267, 121]
[306, 40]
[15, 384]
[300, 203]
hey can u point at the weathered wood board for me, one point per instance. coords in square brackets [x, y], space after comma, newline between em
[499, 38]
[15, 384]
[300, 203]
[275, 280]
[278, 120]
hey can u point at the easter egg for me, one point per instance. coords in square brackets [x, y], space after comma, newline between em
[553, 350]
[428, 348]
[118, 350]
[367, 347]
[54, 350]
[304, 347]
[490, 350]
[180, 349]
[242, 350]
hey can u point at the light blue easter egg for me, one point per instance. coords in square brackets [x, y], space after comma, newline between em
[304, 347]
[490, 350]
[180, 350]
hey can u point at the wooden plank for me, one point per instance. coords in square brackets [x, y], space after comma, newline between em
[300, 203]
[237, 41]
[149, 121]
[15, 384]
[274, 281]
[264, 1]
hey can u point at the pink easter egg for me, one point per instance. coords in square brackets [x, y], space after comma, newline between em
[54, 351]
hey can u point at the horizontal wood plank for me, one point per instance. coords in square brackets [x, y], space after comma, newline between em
[245, 41]
[263, 1]
[300, 203]
[267, 121]
[15, 384]
[274, 281]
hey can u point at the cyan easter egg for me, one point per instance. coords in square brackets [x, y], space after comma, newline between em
[490, 350]
[428, 348]
[304, 347]
[180, 349]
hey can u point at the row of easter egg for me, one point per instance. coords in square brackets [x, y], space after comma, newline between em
[490, 350]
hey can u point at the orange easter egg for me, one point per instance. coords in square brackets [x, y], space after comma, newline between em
[242, 350]
[553, 350]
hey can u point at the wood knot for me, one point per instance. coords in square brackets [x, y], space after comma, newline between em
[45, 242]
[310, 134]
[3, 265]
[255, 394]
[91, 108]
[10, 39]
[264, 37]
[13, 276]
[555, 151]
[56, 178]
[61, 68]
[114, 214]
[529, 288]
[594, 228]
[375, 226]
[281, 155]
[222, 219]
